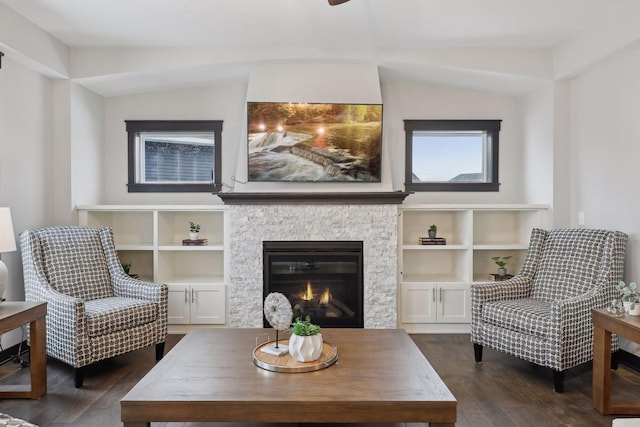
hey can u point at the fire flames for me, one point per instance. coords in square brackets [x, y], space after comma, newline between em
[325, 298]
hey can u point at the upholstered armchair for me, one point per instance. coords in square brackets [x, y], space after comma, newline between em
[543, 314]
[95, 310]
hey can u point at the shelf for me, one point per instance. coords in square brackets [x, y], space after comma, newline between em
[134, 246]
[435, 247]
[195, 279]
[433, 278]
[502, 247]
[181, 247]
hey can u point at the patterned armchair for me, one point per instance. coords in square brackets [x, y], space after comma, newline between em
[543, 314]
[95, 310]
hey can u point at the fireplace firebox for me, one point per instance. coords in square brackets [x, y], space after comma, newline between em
[322, 280]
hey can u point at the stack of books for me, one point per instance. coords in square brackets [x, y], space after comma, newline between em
[499, 278]
[196, 242]
[434, 241]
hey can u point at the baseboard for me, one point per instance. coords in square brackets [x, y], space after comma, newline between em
[9, 354]
[629, 359]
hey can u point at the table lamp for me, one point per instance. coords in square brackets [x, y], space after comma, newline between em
[7, 244]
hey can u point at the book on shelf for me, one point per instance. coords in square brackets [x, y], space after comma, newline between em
[432, 241]
[195, 242]
[499, 278]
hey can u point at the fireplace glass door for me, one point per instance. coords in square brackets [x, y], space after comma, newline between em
[322, 280]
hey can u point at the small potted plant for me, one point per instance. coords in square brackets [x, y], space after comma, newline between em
[630, 297]
[305, 343]
[433, 229]
[194, 230]
[501, 262]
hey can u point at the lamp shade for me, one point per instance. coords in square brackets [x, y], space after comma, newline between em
[7, 238]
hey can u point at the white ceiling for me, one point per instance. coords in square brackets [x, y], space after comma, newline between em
[310, 26]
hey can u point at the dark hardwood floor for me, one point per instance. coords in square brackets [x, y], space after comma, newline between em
[501, 391]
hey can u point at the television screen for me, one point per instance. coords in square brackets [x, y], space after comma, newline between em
[314, 142]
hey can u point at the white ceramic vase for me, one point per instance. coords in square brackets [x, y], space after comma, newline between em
[305, 349]
[194, 236]
[635, 311]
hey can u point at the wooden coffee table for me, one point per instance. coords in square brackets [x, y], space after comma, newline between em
[209, 376]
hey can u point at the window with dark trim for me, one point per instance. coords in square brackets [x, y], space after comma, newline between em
[181, 156]
[451, 155]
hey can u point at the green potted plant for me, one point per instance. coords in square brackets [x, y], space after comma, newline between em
[501, 262]
[194, 230]
[630, 296]
[305, 343]
[433, 229]
[126, 266]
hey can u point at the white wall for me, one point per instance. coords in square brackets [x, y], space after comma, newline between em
[222, 102]
[87, 141]
[605, 144]
[422, 101]
[25, 161]
[401, 101]
[537, 150]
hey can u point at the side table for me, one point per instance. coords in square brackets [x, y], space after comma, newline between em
[14, 314]
[604, 324]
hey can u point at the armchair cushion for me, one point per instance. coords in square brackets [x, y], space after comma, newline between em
[569, 264]
[109, 315]
[74, 262]
[527, 316]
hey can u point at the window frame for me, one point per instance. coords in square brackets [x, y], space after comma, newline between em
[491, 127]
[134, 127]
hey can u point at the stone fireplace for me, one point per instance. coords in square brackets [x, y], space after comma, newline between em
[374, 225]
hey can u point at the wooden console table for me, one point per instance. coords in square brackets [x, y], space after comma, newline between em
[14, 314]
[604, 324]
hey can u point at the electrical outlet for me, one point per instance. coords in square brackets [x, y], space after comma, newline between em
[581, 218]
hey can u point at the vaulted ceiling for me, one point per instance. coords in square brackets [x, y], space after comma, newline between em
[432, 40]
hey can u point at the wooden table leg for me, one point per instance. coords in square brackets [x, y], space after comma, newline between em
[601, 370]
[38, 358]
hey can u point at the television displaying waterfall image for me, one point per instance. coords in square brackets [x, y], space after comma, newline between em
[314, 142]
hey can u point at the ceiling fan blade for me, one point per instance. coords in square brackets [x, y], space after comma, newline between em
[337, 2]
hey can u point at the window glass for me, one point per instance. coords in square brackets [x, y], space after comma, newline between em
[186, 159]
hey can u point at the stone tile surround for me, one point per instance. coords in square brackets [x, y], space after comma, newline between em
[375, 225]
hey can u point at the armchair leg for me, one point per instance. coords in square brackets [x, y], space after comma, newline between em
[78, 376]
[558, 381]
[477, 351]
[159, 350]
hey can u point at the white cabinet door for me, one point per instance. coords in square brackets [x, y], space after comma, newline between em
[179, 303]
[208, 304]
[454, 303]
[418, 303]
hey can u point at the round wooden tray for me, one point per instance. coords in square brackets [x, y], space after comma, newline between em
[286, 363]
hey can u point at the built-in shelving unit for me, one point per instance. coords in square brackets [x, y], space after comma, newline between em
[150, 238]
[435, 281]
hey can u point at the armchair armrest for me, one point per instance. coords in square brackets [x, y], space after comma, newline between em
[514, 288]
[126, 286]
[571, 325]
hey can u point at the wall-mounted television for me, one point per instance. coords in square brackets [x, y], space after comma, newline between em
[297, 142]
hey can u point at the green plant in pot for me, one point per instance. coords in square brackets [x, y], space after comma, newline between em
[630, 297]
[433, 229]
[194, 230]
[126, 266]
[305, 343]
[501, 262]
